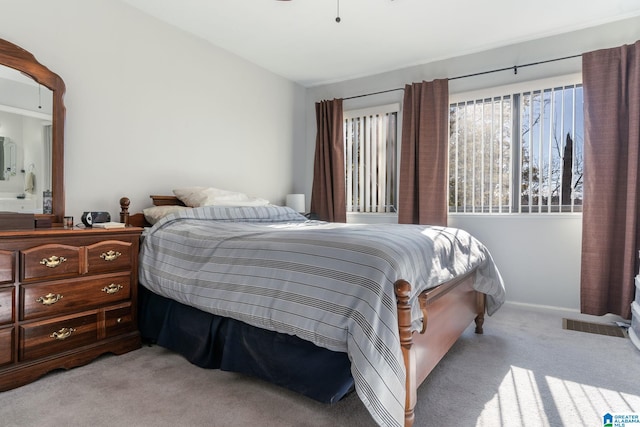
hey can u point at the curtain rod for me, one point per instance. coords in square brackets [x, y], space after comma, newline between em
[514, 68]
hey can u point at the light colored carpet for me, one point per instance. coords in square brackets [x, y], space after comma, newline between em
[524, 371]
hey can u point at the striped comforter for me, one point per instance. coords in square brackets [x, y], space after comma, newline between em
[331, 284]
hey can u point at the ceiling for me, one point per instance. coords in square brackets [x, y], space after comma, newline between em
[301, 40]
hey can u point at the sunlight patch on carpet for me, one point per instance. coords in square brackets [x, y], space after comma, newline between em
[518, 397]
[611, 330]
[579, 404]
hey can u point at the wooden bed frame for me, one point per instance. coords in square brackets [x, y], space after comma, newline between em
[447, 311]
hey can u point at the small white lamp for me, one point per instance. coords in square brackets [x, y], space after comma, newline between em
[296, 202]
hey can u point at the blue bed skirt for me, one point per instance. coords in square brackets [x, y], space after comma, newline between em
[215, 342]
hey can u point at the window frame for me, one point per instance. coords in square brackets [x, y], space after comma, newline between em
[377, 110]
[530, 86]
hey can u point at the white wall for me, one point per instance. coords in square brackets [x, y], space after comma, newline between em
[538, 256]
[150, 108]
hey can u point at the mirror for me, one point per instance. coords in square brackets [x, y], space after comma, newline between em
[31, 134]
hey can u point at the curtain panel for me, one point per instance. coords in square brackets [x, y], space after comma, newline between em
[328, 193]
[423, 156]
[610, 228]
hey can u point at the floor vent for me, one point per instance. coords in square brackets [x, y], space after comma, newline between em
[611, 330]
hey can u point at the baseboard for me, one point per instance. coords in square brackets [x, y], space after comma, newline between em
[541, 306]
[568, 311]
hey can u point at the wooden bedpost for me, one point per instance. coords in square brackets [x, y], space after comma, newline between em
[402, 291]
[124, 210]
[481, 301]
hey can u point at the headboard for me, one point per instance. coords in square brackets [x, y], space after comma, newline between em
[138, 219]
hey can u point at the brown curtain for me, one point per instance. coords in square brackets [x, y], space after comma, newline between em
[423, 162]
[610, 229]
[328, 197]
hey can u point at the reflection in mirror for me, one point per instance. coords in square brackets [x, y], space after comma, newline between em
[25, 138]
[31, 134]
[8, 159]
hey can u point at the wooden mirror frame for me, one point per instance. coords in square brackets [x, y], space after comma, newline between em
[19, 59]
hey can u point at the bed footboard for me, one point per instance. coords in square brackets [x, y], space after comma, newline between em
[447, 311]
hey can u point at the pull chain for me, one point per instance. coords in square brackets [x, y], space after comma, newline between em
[338, 11]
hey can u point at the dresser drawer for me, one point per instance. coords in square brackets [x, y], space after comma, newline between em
[50, 261]
[6, 305]
[118, 320]
[45, 338]
[109, 255]
[6, 346]
[7, 265]
[64, 296]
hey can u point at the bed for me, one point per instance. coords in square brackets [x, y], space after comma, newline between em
[378, 317]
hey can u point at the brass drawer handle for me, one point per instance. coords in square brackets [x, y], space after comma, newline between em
[110, 255]
[112, 288]
[53, 261]
[49, 299]
[62, 334]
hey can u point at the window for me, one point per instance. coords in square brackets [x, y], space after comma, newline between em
[519, 151]
[370, 138]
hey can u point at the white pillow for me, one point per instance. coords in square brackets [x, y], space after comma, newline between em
[190, 196]
[155, 213]
[209, 196]
[251, 201]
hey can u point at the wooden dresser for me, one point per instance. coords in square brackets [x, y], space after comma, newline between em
[66, 297]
